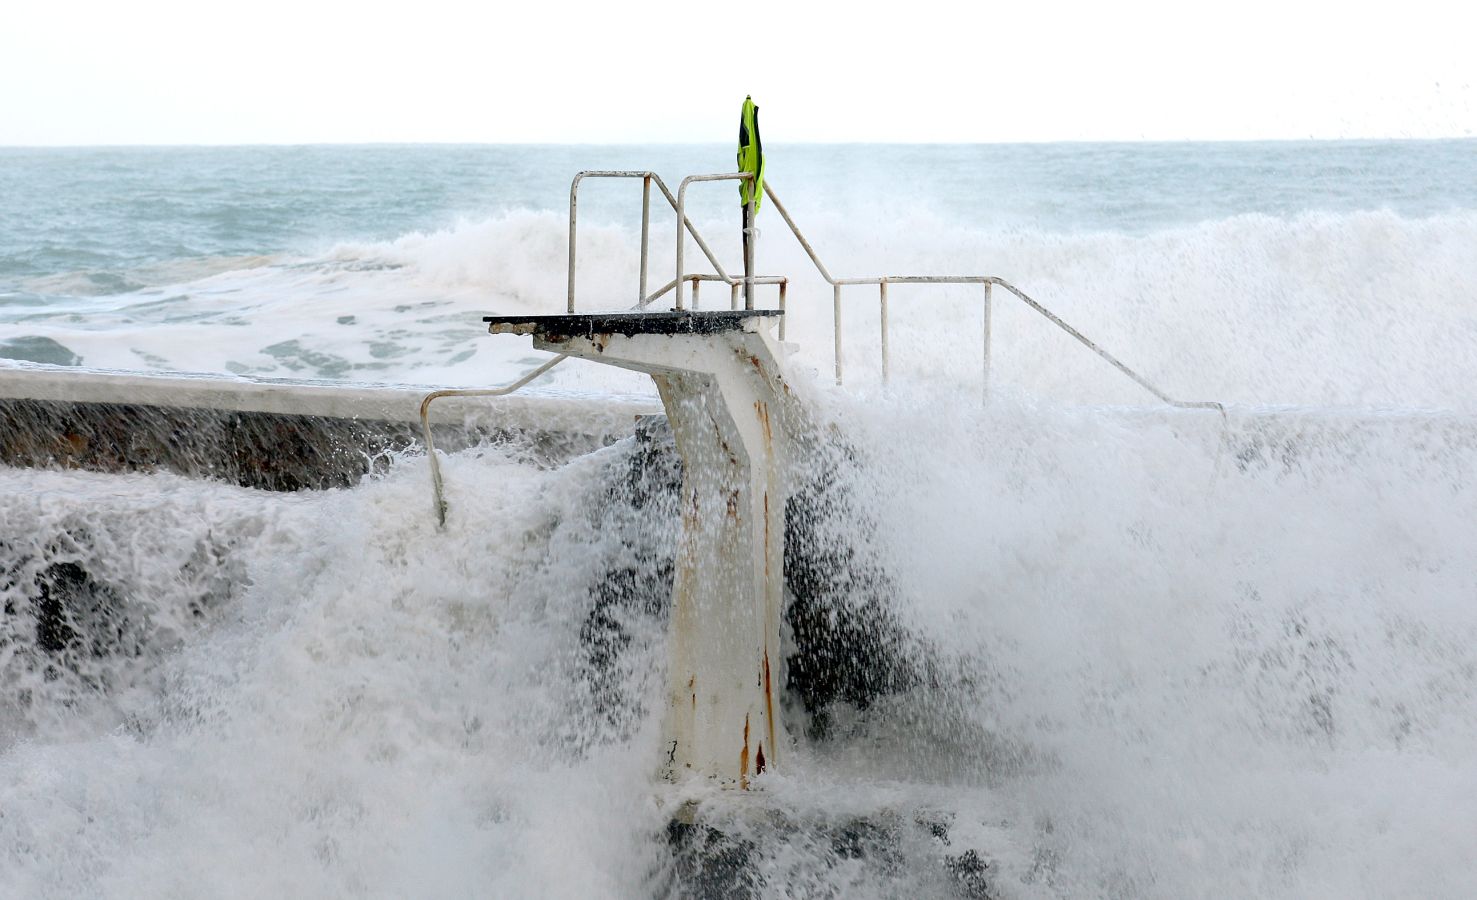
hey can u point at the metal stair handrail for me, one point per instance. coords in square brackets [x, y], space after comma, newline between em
[989, 281]
[685, 227]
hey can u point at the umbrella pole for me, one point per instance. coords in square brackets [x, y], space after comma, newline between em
[749, 253]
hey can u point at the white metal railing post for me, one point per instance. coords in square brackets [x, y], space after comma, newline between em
[885, 361]
[574, 188]
[836, 307]
[783, 285]
[645, 232]
[695, 285]
[681, 237]
[733, 295]
[989, 305]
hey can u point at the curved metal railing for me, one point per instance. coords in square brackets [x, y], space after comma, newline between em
[436, 482]
[681, 277]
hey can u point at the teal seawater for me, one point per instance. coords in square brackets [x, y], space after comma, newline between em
[106, 210]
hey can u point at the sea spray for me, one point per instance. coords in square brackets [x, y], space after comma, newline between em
[376, 688]
[1178, 654]
[1169, 654]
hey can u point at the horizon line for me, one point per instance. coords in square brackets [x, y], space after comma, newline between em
[818, 143]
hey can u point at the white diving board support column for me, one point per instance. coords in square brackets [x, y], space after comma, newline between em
[734, 420]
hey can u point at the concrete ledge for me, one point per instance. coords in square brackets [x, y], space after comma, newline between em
[274, 434]
[530, 408]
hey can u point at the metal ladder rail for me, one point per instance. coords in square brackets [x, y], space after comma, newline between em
[682, 216]
[734, 283]
[644, 298]
[647, 179]
[989, 281]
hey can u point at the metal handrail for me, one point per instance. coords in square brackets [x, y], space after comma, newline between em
[647, 179]
[685, 225]
[989, 281]
[733, 289]
[644, 299]
[436, 485]
[682, 216]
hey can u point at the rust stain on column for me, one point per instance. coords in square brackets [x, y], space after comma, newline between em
[744, 757]
[761, 409]
[768, 708]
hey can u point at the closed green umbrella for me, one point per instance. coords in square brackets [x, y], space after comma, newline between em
[751, 192]
[750, 154]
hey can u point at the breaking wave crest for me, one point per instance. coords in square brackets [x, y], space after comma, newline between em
[1370, 308]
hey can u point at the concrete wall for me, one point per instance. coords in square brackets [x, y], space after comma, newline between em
[275, 435]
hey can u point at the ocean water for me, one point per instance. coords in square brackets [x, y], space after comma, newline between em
[1178, 654]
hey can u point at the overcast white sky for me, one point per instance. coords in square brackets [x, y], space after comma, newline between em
[296, 71]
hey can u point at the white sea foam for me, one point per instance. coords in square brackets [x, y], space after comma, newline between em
[1227, 659]
[1191, 657]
